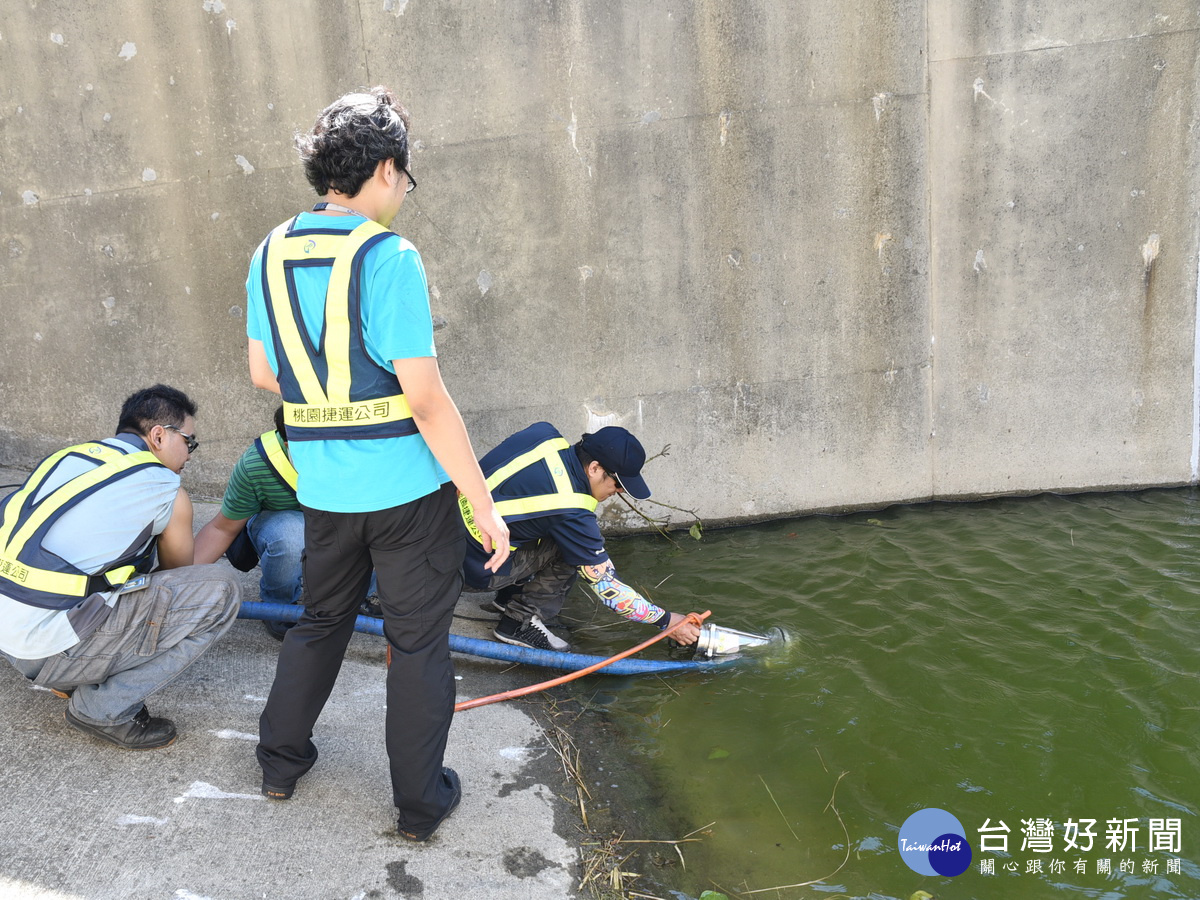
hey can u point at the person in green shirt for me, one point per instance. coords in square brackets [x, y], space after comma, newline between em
[260, 522]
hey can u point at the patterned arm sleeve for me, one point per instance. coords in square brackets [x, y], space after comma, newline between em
[621, 598]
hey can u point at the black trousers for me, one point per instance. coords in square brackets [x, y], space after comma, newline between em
[417, 551]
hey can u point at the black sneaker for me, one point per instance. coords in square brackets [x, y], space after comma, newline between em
[534, 635]
[142, 732]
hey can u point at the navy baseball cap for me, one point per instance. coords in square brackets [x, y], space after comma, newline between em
[620, 453]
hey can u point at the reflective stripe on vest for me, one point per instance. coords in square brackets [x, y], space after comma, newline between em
[24, 521]
[356, 397]
[564, 497]
[271, 450]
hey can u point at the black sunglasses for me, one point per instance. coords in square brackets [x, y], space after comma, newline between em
[190, 439]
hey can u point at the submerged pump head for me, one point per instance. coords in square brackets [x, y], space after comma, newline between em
[715, 640]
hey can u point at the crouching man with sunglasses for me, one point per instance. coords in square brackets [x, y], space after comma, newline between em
[547, 491]
[84, 611]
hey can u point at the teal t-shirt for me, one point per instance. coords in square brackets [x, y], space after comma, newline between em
[366, 474]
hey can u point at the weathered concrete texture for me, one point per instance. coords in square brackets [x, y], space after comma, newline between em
[777, 237]
[144, 148]
[1064, 260]
[958, 29]
[719, 239]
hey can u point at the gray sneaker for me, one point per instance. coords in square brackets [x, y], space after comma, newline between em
[534, 635]
[142, 732]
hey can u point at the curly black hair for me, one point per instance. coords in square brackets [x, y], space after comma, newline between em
[157, 405]
[351, 137]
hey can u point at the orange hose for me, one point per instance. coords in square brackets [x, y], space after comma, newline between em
[694, 618]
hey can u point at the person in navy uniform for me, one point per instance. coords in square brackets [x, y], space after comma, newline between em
[547, 490]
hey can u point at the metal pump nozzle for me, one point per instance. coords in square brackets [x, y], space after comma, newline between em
[715, 640]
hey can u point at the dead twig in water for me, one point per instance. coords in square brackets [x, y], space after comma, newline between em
[663, 682]
[564, 748]
[686, 839]
[604, 864]
[830, 805]
[660, 525]
[656, 524]
[781, 815]
[604, 873]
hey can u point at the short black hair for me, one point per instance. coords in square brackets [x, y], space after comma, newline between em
[585, 458]
[351, 137]
[279, 426]
[157, 405]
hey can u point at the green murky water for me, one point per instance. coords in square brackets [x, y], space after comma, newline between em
[1031, 659]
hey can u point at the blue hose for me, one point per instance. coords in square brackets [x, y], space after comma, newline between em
[549, 659]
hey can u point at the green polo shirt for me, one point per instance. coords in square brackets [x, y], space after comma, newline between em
[253, 487]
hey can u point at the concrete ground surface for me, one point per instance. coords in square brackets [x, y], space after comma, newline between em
[83, 819]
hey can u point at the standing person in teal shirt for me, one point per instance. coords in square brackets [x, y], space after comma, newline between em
[260, 524]
[338, 323]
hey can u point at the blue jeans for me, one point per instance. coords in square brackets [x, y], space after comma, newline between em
[150, 637]
[278, 537]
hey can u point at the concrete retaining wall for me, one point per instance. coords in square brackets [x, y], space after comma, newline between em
[833, 256]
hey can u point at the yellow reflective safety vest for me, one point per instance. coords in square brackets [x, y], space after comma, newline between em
[533, 483]
[331, 390]
[270, 448]
[32, 575]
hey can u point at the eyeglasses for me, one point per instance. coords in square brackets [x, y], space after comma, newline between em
[412, 182]
[190, 439]
[616, 480]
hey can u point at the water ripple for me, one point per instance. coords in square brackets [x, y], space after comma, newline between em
[1003, 660]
